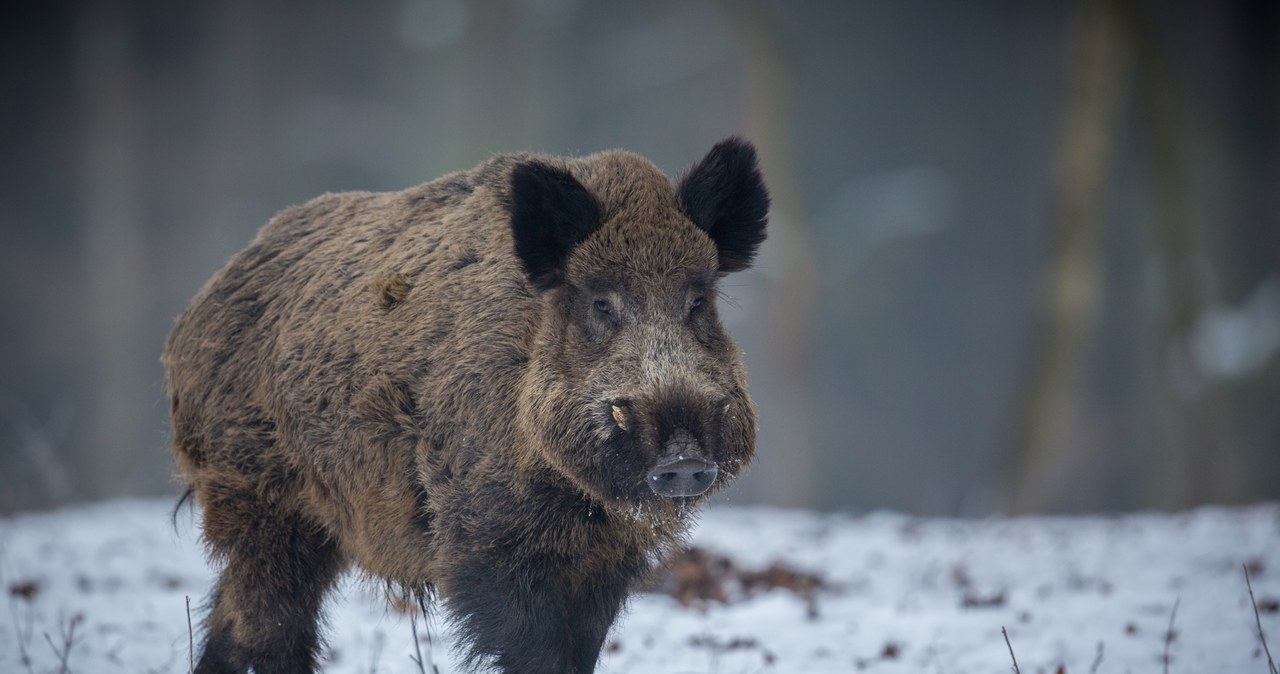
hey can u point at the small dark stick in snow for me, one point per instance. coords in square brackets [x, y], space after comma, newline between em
[1169, 634]
[1011, 655]
[1257, 619]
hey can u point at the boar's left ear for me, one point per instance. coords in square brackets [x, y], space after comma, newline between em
[724, 194]
[551, 212]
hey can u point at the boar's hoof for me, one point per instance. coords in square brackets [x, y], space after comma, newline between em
[682, 476]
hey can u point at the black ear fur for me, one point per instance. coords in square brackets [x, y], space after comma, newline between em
[724, 194]
[551, 212]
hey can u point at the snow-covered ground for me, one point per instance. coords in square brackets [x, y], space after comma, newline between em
[898, 594]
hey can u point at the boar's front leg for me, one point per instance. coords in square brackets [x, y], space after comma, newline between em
[523, 617]
[591, 611]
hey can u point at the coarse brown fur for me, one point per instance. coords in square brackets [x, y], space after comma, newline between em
[462, 388]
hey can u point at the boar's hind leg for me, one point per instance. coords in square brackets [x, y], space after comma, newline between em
[268, 599]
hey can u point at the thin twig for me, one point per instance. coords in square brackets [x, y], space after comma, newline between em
[1097, 660]
[1169, 634]
[1258, 620]
[1011, 655]
[191, 641]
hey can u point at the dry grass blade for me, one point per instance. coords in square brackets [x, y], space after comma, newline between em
[1258, 621]
[423, 663]
[1169, 634]
[23, 636]
[417, 648]
[378, 639]
[191, 640]
[68, 633]
[1097, 660]
[1011, 655]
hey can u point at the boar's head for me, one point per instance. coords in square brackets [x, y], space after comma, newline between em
[635, 393]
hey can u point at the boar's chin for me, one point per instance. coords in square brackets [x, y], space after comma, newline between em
[600, 464]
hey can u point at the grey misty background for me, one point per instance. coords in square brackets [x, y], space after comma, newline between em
[1024, 256]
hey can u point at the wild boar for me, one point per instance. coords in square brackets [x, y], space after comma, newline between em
[506, 389]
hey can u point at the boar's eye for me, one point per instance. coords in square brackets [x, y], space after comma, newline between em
[696, 306]
[605, 310]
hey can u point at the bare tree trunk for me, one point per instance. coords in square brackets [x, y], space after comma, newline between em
[112, 249]
[1249, 248]
[1191, 438]
[1071, 285]
[228, 88]
[785, 381]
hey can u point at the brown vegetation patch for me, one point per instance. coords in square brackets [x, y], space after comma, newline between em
[698, 576]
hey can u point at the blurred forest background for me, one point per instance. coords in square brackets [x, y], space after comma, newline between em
[1024, 256]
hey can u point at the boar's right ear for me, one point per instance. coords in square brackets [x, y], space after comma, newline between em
[724, 194]
[551, 212]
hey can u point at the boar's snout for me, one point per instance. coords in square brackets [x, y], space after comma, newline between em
[682, 470]
[689, 476]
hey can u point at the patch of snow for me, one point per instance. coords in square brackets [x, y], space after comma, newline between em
[902, 595]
